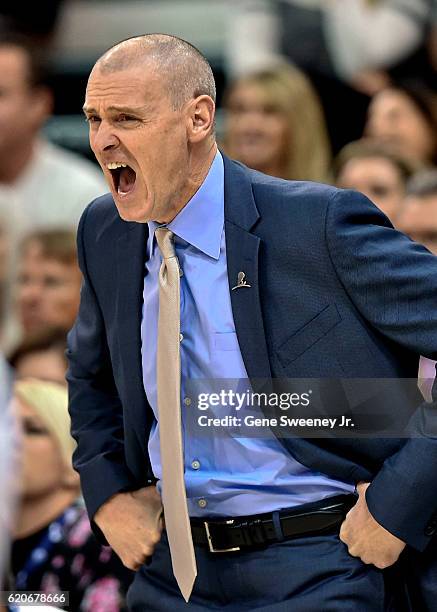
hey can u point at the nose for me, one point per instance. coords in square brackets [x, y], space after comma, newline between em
[103, 138]
[30, 293]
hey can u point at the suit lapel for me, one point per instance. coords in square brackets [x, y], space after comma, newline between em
[242, 253]
[131, 253]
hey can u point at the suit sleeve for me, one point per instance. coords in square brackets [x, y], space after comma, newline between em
[392, 281]
[94, 405]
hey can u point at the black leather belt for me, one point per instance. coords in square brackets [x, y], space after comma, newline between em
[245, 532]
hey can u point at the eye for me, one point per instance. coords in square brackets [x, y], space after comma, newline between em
[380, 190]
[23, 280]
[32, 428]
[123, 118]
[92, 119]
[270, 109]
[53, 281]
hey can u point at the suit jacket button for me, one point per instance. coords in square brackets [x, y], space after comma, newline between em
[430, 530]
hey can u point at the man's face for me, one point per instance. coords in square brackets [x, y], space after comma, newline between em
[48, 291]
[132, 122]
[395, 119]
[419, 220]
[19, 116]
[379, 179]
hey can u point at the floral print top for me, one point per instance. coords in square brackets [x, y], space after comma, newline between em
[65, 556]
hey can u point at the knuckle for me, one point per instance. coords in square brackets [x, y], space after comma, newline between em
[343, 533]
[146, 551]
[128, 563]
[383, 561]
[155, 538]
[380, 564]
[138, 562]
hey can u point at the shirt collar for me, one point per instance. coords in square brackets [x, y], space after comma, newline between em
[200, 222]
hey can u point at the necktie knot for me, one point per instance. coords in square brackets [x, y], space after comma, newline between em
[164, 238]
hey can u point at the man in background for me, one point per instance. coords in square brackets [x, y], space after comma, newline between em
[40, 184]
[418, 216]
[47, 290]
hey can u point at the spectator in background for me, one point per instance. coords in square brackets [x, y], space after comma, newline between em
[377, 171]
[4, 250]
[406, 118]
[49, 280]
[37, 21]
[349, 49]
[7, 472]
[341, 38]
[41, 356]
[274, 123]
[41, 185]
[54, 549]
[432, 40]
[419, 214]
[7, 431]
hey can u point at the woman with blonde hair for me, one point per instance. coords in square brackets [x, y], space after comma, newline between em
[274, 123]
[54, 550]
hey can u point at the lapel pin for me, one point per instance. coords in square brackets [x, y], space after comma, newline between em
[241, 282]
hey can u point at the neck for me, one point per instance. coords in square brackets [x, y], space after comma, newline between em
[199, 171]
[15, 162]
[37, 512]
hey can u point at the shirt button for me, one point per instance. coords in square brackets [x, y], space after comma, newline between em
[202, 503]
[181, 337]
[187, 401]
[195, 464]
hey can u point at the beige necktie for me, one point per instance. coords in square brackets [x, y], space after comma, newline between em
[174, 497]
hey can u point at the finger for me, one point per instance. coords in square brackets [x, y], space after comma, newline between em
[140, 561]
[132, 565]
[362, 487]
[343, 534]
[354, 552]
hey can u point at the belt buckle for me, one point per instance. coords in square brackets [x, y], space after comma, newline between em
[211, 545]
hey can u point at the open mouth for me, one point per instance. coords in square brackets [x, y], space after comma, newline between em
[123, 178]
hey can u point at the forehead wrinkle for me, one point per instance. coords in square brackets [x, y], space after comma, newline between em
[143, 94]
[117, 108]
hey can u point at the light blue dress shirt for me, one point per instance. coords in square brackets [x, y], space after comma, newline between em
[224, 476]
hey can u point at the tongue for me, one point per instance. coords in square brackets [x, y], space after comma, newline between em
[127, 180]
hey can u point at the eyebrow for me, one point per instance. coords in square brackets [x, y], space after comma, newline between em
[116, 109]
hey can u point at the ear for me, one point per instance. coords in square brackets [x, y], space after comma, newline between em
[201, 112]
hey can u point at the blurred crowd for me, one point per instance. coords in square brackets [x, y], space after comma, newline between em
[312, 92]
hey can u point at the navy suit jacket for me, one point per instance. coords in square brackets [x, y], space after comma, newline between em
[335, 292]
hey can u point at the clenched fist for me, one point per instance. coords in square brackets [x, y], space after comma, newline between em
[132, 524]
[366, 538]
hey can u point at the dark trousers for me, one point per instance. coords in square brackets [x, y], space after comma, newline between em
[310, 574]
[419, 573]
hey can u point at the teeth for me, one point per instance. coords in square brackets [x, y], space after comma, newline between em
[115, 165]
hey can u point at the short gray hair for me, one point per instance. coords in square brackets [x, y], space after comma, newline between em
[186, 71]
